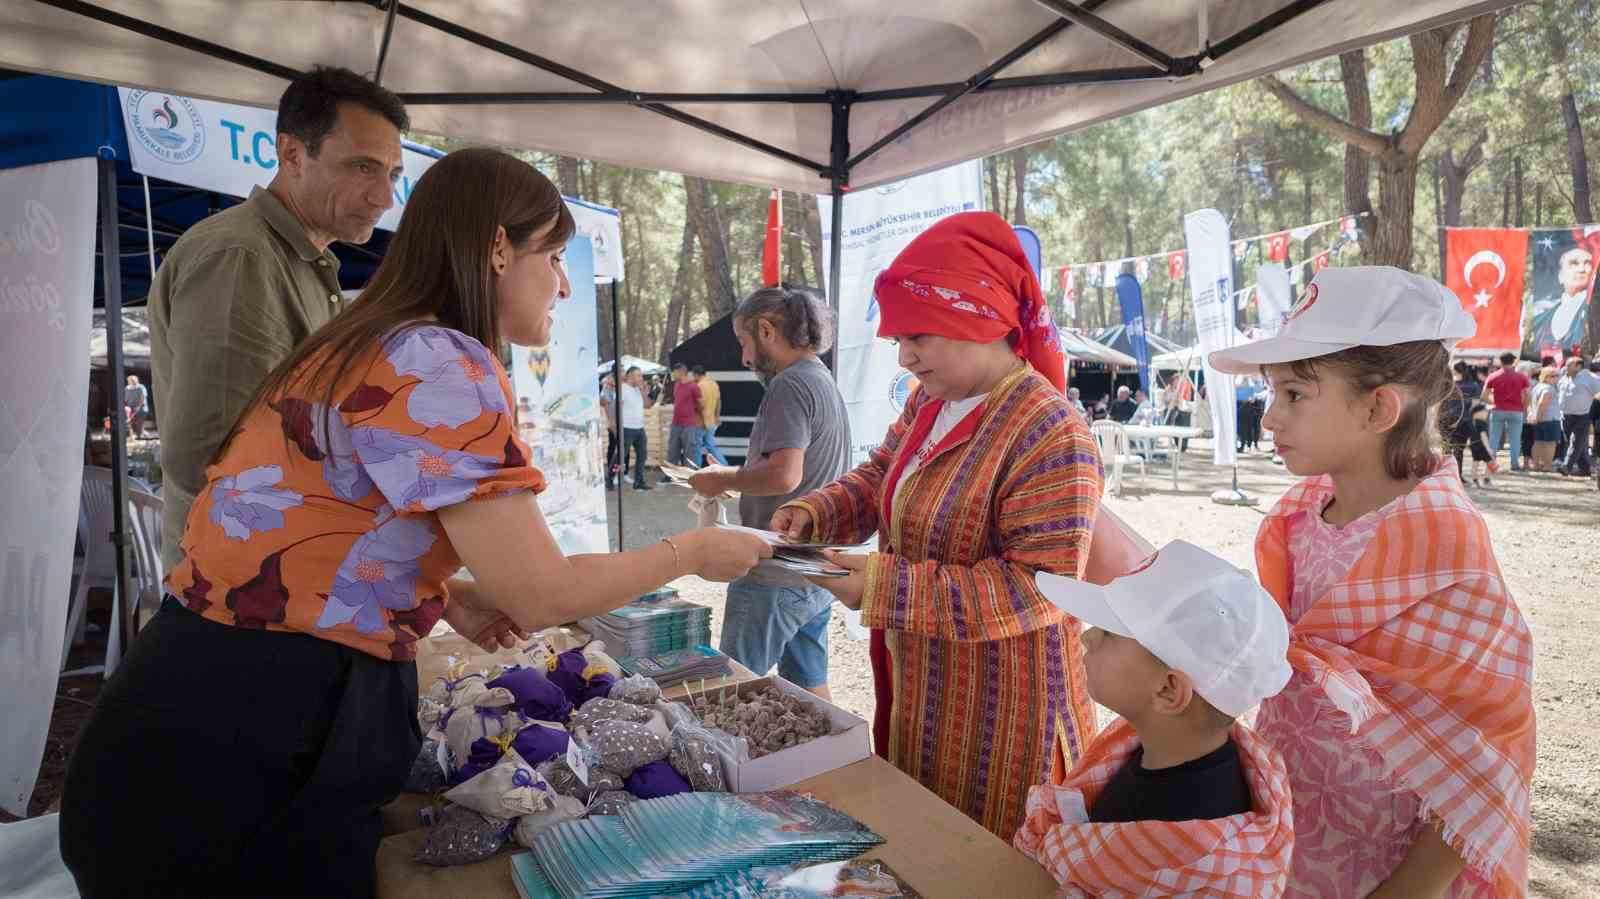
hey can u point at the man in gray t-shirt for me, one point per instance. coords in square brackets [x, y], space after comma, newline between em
[801, 410]
[800, 441]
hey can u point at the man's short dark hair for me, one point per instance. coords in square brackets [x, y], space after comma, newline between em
[679, 366]
[698, 370]
[1508, 358]
[309, 107]
[632, 369]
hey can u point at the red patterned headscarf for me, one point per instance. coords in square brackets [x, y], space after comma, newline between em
[967, 278]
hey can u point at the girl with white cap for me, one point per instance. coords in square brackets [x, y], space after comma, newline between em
[1407, 727]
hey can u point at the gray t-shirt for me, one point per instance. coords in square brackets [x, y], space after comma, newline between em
[802, 409]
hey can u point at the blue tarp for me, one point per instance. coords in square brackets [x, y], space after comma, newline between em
[45, 119]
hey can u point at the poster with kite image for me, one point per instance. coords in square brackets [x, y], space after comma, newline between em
[558, 412]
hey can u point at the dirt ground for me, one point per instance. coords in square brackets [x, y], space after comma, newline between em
[1546, 532]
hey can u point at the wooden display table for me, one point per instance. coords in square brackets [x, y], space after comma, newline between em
[935, 848]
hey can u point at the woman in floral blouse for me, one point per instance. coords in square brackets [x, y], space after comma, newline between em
[269, 710]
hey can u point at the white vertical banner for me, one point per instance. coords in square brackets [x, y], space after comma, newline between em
[878, 224]
[558, 412]
[47, 216]
[1211, 288]
[1272, 297]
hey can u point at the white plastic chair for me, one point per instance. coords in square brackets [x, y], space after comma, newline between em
[1112, 439]
[145, 510]
[97, 569]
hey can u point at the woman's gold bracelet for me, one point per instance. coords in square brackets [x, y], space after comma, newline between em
[677, 558]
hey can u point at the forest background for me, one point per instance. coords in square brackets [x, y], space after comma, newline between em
[1475, 124]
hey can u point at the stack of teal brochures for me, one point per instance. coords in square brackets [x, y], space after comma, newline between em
[677, 843]
[653, 624]
[672, 668]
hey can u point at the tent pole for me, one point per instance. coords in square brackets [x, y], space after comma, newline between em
[388, 35]
[111, 271]
[616, 411]
[839, 178]
[149, 229]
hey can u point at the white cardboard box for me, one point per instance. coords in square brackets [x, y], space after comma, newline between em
[850, 743]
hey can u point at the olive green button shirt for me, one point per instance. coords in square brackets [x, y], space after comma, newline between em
[235, 295]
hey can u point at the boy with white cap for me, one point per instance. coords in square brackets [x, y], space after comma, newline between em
[1407, 727]
[1175, 797]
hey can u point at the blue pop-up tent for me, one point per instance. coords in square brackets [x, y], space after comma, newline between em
[49, 119]
[52, 119]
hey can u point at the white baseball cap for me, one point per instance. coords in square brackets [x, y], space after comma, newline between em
[1196, 613]
[1374, 305]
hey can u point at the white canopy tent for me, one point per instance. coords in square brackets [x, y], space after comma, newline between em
[1086, 349]
[789, 93]
[808, 95]
[645, 366]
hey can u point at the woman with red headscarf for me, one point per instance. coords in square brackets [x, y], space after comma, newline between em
[988, 477]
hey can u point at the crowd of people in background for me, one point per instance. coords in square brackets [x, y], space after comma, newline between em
[1546, 416]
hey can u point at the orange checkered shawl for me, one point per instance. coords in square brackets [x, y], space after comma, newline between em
[1423, 647]
[1245, 855]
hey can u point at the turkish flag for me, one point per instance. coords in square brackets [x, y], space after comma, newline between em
[771, 248]
[1278, 247]
[1485, 267]
[1069, 282]
[1176, 265]
[1321, 261]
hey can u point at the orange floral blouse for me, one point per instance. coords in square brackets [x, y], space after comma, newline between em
[329, 528]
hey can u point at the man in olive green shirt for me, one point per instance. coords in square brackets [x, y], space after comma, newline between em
[240, 290]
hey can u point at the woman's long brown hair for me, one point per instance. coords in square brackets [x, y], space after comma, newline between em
[437, 267]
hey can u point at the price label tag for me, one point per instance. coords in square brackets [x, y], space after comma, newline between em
[576, 761]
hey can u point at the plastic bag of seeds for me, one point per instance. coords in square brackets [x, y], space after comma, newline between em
[610, 802]
[596, 710]
[426, 776]
[623, 746]
[462, 836]
[637, 689]
[693, 754]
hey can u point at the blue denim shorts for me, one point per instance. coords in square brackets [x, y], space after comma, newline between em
[767, 625]
[1547, 432]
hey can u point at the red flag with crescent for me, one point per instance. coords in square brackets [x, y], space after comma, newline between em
[772, 246]
[1321, 261]
[1278, 247]
[1485, 267]
[1176, 265]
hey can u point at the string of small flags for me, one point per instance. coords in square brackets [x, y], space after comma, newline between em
[1070, 278]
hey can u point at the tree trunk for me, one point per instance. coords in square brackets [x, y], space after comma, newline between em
[1578, 161]
[1358, 103]
[708, 229]
[1505, 204]
[1019, 175]
[1397, 198]
[813, 233]
[567, 176]
[996, 200]
[1439, 87]
[1516, 181]
[677, 305]
[1454, 174]
[1307, 211]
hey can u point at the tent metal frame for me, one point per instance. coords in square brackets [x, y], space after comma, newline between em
[1158, 66]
